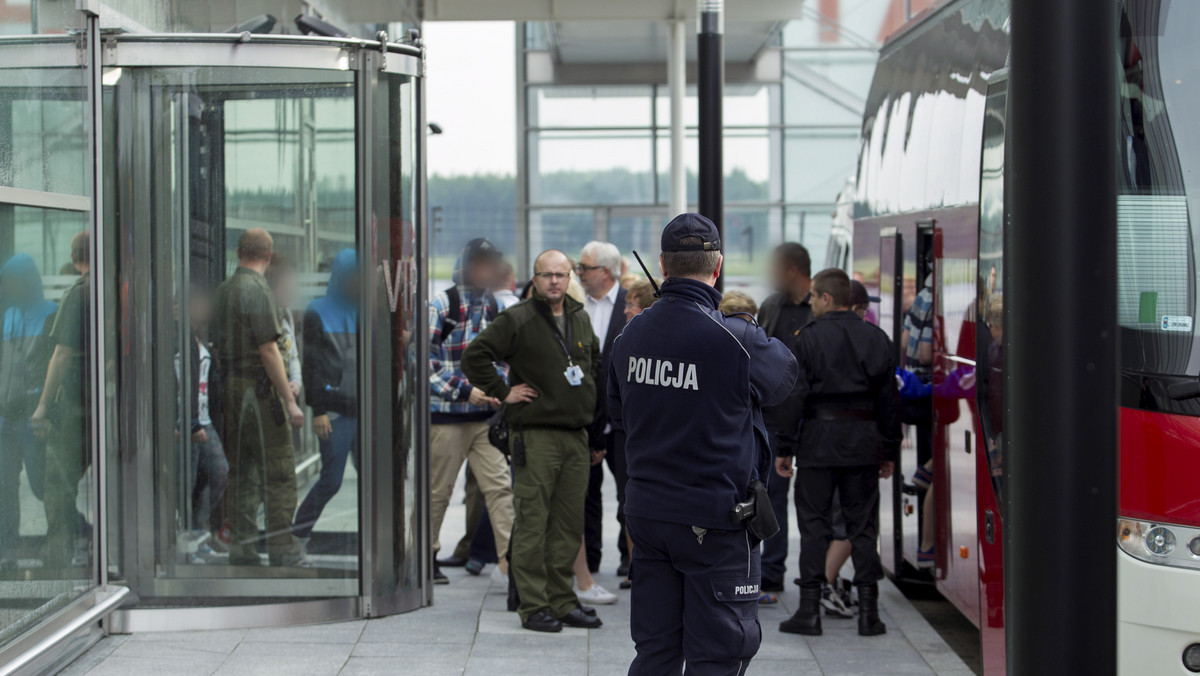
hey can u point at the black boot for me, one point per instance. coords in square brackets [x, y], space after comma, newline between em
[807, 620]
[868, 611]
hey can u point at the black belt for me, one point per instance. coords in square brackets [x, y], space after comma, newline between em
[858, 414]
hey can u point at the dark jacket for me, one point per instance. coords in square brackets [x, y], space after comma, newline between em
[768, 318]
[330, 331]
[687, 386]
[25, 348]
[615, 326]
[845, 409]
[525, 336]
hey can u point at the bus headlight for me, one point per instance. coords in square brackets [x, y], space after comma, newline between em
[1191, 658]
[1158, 543]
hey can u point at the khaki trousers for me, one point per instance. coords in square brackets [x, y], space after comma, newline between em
[452, 445]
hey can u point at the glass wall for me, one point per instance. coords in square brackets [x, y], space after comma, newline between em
[47, 502]
[597, 157]
[258, 278]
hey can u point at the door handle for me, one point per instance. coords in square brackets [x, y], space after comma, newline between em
[967, 440]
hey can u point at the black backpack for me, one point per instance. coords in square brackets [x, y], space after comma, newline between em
[454, 311]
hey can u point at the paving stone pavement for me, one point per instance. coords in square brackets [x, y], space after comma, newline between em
[467, 631]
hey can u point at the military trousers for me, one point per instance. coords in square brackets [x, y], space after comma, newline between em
[262, 471]
[548, 496]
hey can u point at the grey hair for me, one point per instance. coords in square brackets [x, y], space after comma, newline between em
[607, 256]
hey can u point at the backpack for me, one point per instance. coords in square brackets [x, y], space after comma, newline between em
[454, 311]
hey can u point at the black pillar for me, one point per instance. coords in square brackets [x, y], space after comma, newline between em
[710, 50]
[1060, 340]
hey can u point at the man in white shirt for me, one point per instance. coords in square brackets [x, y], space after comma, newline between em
[505, 292]
[598, 270]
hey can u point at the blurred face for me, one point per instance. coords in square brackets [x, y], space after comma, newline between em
[201, 311]
[482, 273]
[632, 309]
[551, 275]
[784, 277]
[861, 311]
[821, 303]
[286, 288]
[595, 279]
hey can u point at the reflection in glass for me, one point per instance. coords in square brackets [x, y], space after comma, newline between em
[46, 507]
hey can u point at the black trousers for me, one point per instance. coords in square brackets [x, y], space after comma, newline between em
[593, 506]
[858, 488]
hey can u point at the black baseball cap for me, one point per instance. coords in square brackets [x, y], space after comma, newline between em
[859, 295]
[690, 225]
[480, 248]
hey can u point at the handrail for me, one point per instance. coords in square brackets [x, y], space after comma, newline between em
[105, 606]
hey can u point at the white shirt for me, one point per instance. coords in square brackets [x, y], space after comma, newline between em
[505, 298]
[601, 311]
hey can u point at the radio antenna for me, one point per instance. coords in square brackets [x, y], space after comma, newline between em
[653, 284]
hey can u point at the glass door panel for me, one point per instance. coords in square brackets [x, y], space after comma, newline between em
[244, 261]
[46, 495]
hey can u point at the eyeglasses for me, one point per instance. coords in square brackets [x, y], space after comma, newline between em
[580, 268]
[555, 276]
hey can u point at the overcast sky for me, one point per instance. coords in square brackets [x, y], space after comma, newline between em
[471, 91]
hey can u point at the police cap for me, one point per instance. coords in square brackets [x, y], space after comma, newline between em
[690, 225]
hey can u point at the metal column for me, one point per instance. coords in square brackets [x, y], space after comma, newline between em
[710, 51]
[1060, 354]
[677, 83]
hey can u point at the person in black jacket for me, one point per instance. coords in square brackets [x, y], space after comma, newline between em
[330, 363]
[844, 432]
[782, 315]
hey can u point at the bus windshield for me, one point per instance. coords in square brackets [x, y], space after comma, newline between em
[1159, 189]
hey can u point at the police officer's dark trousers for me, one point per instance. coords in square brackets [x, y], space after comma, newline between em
[695, 600]
[859, 491]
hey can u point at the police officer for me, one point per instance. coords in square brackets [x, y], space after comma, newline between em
[845, 434]
[687, 385]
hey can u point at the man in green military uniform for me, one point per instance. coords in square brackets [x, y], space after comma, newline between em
[63, 414]
[258, 407]
[551, 351]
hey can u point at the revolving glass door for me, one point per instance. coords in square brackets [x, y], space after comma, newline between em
[221, 495]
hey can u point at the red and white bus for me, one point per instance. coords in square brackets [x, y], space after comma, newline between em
[930, 191]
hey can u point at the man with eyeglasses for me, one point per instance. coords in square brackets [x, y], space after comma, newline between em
[598, 269]
[551, 352]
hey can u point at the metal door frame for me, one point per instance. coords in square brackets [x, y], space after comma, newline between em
[365, 59]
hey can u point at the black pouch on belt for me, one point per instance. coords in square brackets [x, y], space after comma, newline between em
[517, 444]
[759, 519]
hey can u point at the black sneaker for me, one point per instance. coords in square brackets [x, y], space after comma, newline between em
[834, 605]
[438, 576]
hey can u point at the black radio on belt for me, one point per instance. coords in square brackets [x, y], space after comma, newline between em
[756, 513]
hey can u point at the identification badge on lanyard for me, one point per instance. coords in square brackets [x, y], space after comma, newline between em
[574, 375]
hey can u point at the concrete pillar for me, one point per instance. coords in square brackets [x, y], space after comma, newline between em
[677, 83]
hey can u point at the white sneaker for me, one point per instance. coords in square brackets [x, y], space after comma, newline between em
[498, 577]
[595, 596]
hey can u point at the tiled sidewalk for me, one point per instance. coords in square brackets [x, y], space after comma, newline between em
[468, 631]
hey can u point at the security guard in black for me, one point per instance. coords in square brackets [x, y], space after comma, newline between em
[687, 385]
[845, 434]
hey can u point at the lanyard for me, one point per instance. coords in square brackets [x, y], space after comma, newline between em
[557, 335]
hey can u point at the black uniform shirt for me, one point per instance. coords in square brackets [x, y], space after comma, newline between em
[844, 410]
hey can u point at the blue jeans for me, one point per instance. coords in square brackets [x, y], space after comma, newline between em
[18, 447]
[341, 443]
[209, 478]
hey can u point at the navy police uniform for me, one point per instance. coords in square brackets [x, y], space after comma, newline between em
[687, 386]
